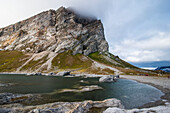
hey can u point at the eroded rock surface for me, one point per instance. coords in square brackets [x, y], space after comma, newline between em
[158, 109]
[65, 107]
[55, 31]
[82, 89]
[8, 98]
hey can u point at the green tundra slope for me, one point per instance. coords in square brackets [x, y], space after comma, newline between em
[94, 63]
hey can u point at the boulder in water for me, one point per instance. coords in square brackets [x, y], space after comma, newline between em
[107, 78]
[63, 73]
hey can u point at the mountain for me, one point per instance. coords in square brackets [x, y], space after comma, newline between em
[164, 68]
[55, 31]
[60, 40]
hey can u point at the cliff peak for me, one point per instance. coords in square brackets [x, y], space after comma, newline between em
[55, 31]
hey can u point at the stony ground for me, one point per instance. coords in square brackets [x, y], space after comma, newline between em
[158, 81]
[158, 109]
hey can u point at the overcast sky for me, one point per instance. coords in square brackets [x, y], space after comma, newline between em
[137, 30]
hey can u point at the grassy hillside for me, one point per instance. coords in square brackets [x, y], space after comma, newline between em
[109, 59]
[34, 64]
[11, 60]
[78, 62]
[66, 60]
[114, 61]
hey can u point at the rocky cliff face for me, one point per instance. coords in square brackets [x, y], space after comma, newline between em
[55, 31]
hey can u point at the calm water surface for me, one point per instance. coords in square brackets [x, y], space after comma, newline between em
[131, 93]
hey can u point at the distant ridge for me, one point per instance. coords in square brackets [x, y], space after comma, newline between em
[164, 68]
[151, 64]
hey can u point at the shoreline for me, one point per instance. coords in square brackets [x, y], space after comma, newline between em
[165, 99]
[141, 79]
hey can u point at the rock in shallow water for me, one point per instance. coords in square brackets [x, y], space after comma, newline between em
[82, 89]
[107, 78]
[63, 73]
[4, 85]
[8, 98]
[5, 110]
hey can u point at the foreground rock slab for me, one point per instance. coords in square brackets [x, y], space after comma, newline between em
[8, 98]
[158, 109]
[66, 107]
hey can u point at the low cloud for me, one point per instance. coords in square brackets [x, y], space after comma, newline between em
[155, 48]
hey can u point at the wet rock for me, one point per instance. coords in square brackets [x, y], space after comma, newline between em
[107, 78]
[63, 73]
[8, 98]
[83, 81]
[4, 85]
[75, 107]
[2, 110]
[31, 74]
[82, 89]
[114, 110]
[51, 74]
[158, 109]
[38, 74]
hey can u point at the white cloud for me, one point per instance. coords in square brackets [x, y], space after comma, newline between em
[154, 48]
[12, 11]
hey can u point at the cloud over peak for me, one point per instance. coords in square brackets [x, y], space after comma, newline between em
[153, 48]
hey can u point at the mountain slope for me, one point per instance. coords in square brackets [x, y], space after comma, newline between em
[55, 31]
